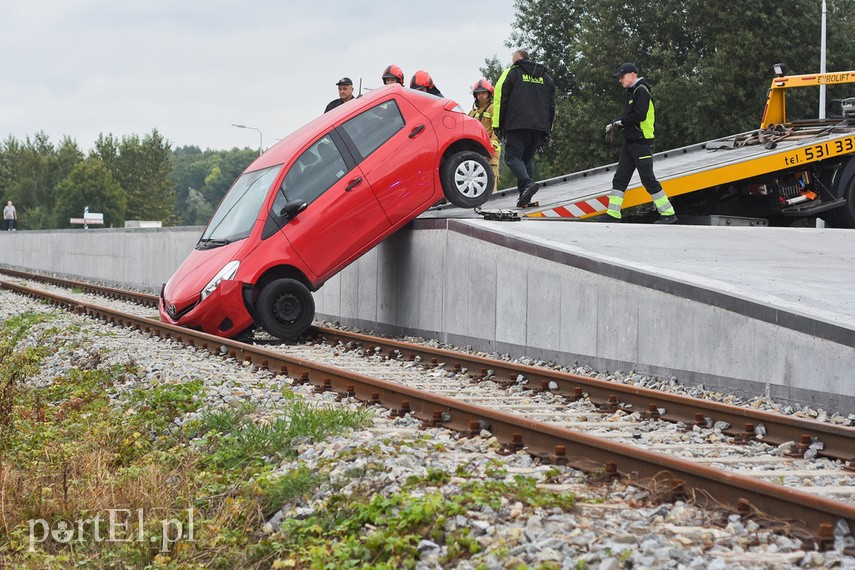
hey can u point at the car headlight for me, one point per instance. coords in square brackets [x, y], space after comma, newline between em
[227, 272]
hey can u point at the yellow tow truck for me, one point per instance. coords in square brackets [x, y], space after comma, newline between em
[783, 171]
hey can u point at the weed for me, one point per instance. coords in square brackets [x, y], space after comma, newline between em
[384, 531]
[156, 407]
[284, 488]
[249, 444]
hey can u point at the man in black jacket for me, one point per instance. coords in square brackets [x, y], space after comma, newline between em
[523, 114]
[345, 94]
[636, 123]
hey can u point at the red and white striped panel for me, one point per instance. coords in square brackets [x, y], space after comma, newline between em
[576, 209]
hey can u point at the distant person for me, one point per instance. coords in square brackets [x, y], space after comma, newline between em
[393, 74]
[482, 109]
[523, 114]
[422, 81]
[345, 94]
[636, 123]
[10, 214]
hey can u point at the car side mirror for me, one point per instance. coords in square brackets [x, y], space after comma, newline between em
[292, 208]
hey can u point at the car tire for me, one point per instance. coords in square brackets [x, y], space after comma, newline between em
[467, 179]
[285, 308]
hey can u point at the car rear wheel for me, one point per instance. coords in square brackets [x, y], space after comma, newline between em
[467, 179]
[285, 308]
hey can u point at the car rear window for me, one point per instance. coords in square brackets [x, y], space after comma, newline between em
[371, 129]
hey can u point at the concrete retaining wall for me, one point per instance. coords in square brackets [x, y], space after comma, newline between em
[473, 287]
[143, 258]
[468, 286]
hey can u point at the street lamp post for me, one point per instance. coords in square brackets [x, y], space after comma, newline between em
[260, 137]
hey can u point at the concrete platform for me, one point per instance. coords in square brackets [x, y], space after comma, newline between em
[749, 310]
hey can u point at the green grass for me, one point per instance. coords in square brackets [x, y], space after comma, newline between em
[236, 442]
[73, 448]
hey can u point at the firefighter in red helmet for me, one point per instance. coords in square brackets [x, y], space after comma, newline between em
[482, 109]
[393, 74]
[422, 81]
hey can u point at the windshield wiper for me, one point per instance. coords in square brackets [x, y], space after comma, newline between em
[209, 243]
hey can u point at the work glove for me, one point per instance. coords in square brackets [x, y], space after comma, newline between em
[612, 130]
[615, 125]
[544, 142]
[499, 134]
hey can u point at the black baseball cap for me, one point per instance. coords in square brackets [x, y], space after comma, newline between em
[624, 69]
[344, 81]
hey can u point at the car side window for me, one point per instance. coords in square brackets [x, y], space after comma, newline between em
[375, 126]
[317, 169]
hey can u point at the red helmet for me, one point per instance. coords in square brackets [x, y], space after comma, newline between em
[393, 72]
[421, 80]
[483, 85]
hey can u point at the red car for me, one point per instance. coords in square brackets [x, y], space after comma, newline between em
[318, 200]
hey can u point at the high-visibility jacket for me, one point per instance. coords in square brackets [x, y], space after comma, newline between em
[485, 115]
[524, 98]
[639, 115]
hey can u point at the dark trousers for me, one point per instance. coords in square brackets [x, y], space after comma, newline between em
[636, 155]
[10, 223]
[520, 147]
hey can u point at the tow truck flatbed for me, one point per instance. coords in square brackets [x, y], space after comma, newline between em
[721, 161]
[778, 148]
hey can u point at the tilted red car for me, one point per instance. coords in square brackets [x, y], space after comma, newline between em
[318, 200]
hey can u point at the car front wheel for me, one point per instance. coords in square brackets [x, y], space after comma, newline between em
[467, 179]
[285, 308]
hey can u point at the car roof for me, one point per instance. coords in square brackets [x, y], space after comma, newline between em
[286, 147]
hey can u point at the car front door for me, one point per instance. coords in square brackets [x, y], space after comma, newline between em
[342, 216]
[395, 146]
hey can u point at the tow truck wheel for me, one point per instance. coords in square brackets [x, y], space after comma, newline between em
[846, 213]
[285, 308]
[467, 179]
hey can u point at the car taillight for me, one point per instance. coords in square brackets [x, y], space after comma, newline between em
[453, 106]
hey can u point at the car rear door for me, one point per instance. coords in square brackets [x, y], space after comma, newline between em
[342, 217]
[395, 145]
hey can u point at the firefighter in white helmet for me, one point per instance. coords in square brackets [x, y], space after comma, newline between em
[482, 109]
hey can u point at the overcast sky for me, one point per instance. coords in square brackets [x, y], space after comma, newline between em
[190, 68]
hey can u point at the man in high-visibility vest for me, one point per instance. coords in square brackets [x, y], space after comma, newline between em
[636, 124]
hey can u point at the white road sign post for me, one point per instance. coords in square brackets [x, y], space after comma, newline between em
[89, 218]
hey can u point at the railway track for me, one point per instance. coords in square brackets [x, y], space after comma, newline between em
[713, 452]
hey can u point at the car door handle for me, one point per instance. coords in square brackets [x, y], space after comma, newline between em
[417, 131]
[353, 184]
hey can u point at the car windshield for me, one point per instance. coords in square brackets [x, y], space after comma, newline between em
[239, 209]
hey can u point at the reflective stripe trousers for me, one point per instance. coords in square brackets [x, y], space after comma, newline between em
[637, 155]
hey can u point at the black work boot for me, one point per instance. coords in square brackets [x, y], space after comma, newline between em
[529, 192]
[666, 219]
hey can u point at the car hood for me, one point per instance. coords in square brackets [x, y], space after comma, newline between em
[197, 271]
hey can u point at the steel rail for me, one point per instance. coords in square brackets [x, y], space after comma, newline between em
[139, 298]
[838, 442]
[708, 486]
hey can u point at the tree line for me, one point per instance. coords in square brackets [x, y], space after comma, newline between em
[709, 66]
[131, 178]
